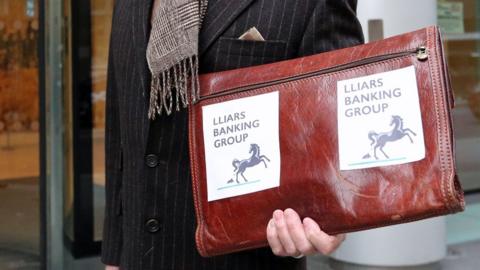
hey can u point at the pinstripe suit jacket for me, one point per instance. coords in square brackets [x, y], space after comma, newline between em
[149, 219]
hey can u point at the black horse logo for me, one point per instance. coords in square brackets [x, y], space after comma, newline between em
[241, 165]
[378, 140]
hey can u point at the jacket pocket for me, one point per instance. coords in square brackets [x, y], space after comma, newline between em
[235, 53]
[239, 47]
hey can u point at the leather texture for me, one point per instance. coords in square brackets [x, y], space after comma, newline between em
[311, 182]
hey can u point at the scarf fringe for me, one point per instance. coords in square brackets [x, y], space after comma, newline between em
[174, 79]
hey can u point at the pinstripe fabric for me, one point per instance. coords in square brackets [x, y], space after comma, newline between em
[136, 192]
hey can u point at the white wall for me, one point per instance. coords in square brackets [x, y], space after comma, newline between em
[399, 16]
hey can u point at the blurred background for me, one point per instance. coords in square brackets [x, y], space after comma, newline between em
[53, 65]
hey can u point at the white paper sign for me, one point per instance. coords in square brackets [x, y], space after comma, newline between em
[379, 120]
[242, 151]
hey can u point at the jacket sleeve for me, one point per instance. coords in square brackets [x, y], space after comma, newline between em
[112, 230]
[332, 25]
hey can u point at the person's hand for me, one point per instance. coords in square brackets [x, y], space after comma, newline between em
[288, 236]
[109, 267]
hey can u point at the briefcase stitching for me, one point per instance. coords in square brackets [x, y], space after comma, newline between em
[440, 121]
[433, 78]
[452, 199]
[196, 194]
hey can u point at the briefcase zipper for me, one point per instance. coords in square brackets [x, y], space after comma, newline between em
[420, 52]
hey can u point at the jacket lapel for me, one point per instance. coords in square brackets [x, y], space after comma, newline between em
[141, 34]
[220, 14]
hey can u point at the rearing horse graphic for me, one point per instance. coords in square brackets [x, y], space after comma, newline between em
[241, 165]
[378, 140]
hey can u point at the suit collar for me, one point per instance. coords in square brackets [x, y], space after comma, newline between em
[140, 36]
[220, 14]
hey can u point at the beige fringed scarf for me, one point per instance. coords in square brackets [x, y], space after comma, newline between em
[172, 53]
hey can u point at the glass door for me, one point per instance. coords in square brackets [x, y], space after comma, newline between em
[76, 36]
[19, 135]
[89, 35]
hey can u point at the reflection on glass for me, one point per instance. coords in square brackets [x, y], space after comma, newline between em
[19, 124]
[462, 26]
[101, 16]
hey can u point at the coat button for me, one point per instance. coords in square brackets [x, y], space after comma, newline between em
[153, 225]
[151, 160]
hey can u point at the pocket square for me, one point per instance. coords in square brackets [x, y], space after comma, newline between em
[252, 34]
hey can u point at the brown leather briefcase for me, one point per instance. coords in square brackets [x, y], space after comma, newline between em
[308, 108]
